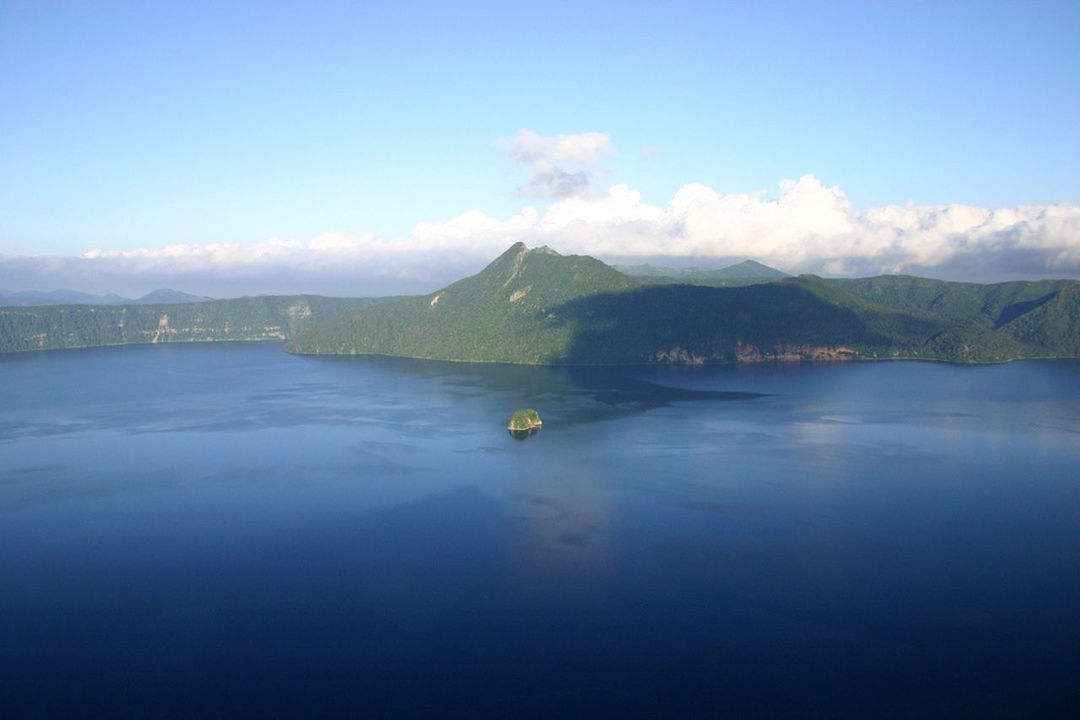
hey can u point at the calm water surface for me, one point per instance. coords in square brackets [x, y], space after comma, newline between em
[226, 529]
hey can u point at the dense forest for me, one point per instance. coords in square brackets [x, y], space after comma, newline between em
[534, 306]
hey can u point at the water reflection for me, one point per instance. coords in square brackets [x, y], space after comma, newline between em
[569, 396]
[522, 434]
[564, 528]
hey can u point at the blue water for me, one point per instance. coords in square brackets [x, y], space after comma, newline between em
[229, 530]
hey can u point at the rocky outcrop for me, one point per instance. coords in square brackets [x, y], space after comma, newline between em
[678, 355]
[746, 353]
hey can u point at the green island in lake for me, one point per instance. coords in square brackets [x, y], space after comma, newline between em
[524, 420]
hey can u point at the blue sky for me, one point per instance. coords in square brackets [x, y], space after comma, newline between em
[139, 126]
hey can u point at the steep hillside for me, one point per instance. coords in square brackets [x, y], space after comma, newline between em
[985, 305]
[1052, 326]
[799, 318]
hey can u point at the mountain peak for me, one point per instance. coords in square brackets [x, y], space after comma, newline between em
[510, 312]
[752, 268]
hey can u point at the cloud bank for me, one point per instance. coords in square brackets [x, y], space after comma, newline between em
[806, 227]
[809, 227]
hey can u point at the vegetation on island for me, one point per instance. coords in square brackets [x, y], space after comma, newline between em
[524, 420]
[534, 306]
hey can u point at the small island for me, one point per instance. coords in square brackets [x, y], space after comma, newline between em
[524, 421]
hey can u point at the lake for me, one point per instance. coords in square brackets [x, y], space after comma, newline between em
[229, 530]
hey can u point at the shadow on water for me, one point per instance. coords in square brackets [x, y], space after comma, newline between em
[566, 394]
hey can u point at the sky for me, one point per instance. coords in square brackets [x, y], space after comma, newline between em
[380, 148]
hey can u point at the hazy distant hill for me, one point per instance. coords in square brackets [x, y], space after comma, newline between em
[165, 296]
[58, 297]
[74, 297]
[748, 272]
[271, 317]
[539, 307]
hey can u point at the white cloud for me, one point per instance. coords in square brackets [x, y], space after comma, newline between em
[561, 164]
[475, 232]
[529, 148]
[806, 227]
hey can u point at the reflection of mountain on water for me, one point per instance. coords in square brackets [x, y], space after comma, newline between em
[573, 395]
[627, 396]
[565, 395]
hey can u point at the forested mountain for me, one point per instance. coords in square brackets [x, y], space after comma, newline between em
[536, 306]
[273, 317]
[539, 307]
[509, 312]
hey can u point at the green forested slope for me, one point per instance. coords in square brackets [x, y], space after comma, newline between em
[536, 307]
[1021, 318]
[986, 305]
[506, 313]
[255, 318]
[1052, 326]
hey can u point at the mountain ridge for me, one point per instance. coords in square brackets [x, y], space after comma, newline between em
[576, 310]
[31, 298]
[539, 307]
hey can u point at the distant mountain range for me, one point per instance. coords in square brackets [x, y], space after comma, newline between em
[748, 272]
[74, 297]
[536, 306]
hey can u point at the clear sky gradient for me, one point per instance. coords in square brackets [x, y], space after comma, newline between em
[144, 125]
